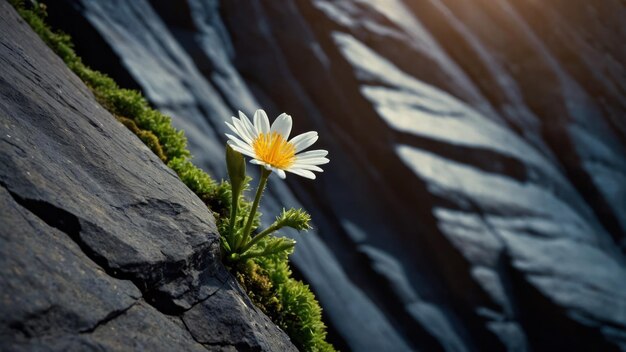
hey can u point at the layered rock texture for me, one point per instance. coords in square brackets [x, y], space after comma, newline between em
[475, 200]
[102, 247]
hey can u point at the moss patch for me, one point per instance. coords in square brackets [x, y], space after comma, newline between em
[300, 314]
[288, 302]
[146, 136]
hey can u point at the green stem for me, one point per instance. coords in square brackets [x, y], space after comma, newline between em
[243, 257]
[260, 236]
[265, 174]
[234, 207]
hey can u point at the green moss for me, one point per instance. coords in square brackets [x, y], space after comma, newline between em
[197, 180]
[287, 301]
[290, 303]
[147, 137]
[256, 282]
[125, 102]
[94, 79]
[131, 104]
[301, 314]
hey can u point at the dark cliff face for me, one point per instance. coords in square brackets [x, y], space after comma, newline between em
[476, 196]
[102, 247]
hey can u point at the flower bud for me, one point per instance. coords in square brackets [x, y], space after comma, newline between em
[236, 168]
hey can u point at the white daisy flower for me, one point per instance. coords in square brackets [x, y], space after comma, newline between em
[269, 145]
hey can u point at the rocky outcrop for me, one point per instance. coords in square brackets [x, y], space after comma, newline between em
[476, 192]
[101, 245]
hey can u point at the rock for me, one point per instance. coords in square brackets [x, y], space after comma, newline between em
[475, 195]
[49, 286]
[103, 247]
[222, 315]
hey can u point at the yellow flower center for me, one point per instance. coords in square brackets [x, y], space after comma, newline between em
[273, 149]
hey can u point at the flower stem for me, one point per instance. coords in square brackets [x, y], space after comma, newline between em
[234, 207]
[265, 174]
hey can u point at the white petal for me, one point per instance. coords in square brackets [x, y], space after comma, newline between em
[241, 115]
[241, 144]
[313, 161]
[282, 125]
[307, 167]
[303, 173]
[232, 128]
[318, 153]
[279, 172]
[261, 122]
[240, 149]
[237, 140]
[242, 131]
[262, 163]
[303, 141]
[249, 126]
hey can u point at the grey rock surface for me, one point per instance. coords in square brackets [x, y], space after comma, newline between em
[476, 196]
[102, 247]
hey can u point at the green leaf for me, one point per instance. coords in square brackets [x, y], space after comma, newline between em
[295, 218]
